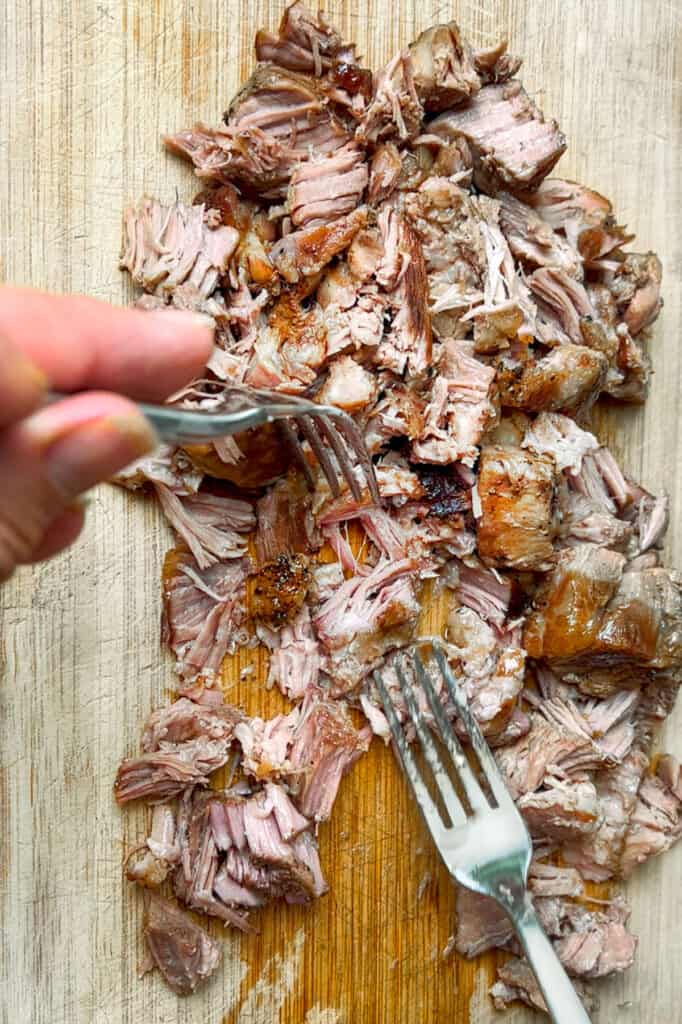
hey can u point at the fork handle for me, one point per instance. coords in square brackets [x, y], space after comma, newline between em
[562, 1000]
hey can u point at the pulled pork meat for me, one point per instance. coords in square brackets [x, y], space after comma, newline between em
[389, 243]
[181, 950]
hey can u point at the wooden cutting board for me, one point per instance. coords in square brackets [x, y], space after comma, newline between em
[87, 88]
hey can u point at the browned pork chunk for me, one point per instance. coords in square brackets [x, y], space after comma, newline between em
[515, 529]
[183, 952]
[602, 627]
[443, 68]
[305, 252]
[513, 146]
[277, 590]
[568, 379]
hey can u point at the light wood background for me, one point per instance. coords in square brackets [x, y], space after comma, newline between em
[86, 88]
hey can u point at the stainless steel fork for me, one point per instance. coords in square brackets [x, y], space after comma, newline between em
[485, 847]
[331, 433]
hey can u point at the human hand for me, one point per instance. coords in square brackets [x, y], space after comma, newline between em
[51, 454]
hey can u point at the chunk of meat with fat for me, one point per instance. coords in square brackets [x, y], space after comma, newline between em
[394, 108]
[596, 624]
[305, 252]
[322, 190]
[304, 42]
[513, 146]
[515, 529]
[598, 855]
[533, 241]
[656, 820]
[568, 379]
[384, 172]
[563, 810]
[583, 215]
[636, 287]
[349, 386]
[183, 952]
[443, 68]
[168, 466]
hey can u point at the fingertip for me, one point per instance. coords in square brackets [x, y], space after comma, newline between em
[187, 338]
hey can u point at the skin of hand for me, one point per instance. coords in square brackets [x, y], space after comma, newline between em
[51, 454]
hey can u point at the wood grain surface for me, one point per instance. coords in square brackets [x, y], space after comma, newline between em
[86, 88]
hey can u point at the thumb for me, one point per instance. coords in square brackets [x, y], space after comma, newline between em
[50, 458]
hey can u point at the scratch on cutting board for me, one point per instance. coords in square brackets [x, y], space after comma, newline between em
[320, 1016]
[479, 1005]
[267, 996]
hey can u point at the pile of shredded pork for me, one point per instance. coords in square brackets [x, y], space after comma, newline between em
[390, 242]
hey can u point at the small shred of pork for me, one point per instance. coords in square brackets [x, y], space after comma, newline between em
[203, 612]
[324, 747]
[462, 407]
[150, 864]
[443, 68]
[212, 526]
[183, 952]
[516, 981]
[295, 657]
[168, 246]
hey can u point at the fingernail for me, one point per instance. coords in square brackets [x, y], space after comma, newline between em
[95, 450]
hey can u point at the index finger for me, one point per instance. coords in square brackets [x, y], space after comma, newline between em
[80, 343]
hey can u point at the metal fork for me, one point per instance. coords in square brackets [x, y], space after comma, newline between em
[331, 433]
[486, 848]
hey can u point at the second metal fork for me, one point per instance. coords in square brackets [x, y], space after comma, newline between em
[485, 847]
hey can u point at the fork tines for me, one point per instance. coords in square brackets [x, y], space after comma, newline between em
[434, 677]
[336, 443]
